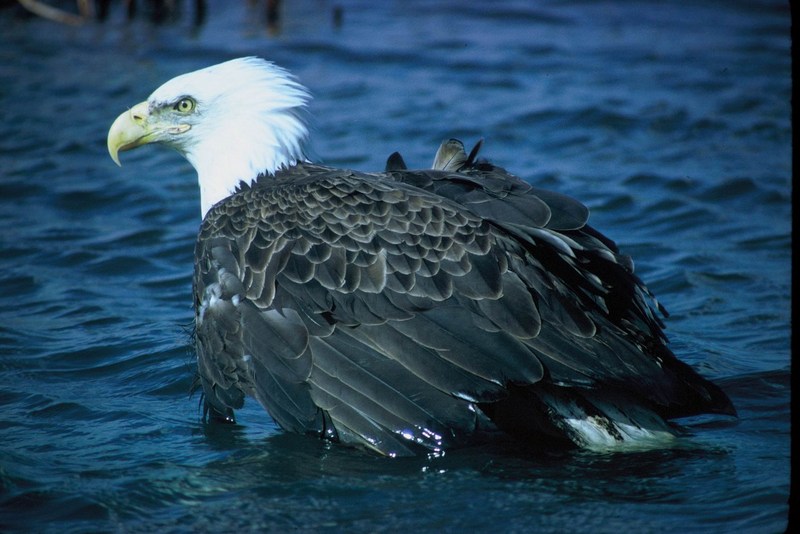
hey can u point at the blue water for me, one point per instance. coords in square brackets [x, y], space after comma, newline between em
[670, 121]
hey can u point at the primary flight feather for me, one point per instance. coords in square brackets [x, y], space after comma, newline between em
[407, 311]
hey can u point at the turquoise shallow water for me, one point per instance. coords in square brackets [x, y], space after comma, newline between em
[672, 123]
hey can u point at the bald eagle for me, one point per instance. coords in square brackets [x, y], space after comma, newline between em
[406, 311]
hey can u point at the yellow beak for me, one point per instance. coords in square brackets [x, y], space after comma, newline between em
[136, 127]
[129, 131]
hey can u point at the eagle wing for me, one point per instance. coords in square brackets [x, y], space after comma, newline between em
[421, 309]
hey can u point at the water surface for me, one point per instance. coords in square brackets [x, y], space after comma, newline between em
[671, 122]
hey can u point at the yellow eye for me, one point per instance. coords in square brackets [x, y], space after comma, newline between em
[184, 105]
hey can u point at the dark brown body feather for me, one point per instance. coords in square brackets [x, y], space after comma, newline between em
[412, 311]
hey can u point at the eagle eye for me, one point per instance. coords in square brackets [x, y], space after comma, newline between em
[184, 105]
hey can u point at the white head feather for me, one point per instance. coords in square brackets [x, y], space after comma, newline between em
[248, 120]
